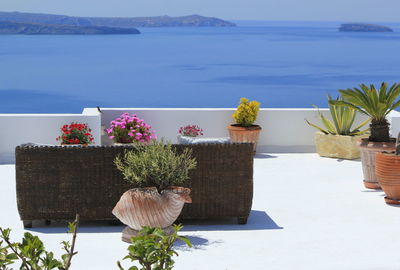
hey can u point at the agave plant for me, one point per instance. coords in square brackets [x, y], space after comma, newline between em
[342, 120]
[376, 104]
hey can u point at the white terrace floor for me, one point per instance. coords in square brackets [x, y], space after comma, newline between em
[308, 213]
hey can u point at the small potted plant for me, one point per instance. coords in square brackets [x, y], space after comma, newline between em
[75, 134]
[156, 172]
[128, 129]
[337, 139]
[387, 168]
[376, 104]
[244, 130]
[191, 131]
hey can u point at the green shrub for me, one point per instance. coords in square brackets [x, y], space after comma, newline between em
[153, 249]
[155, 165]
[246, 113]
[32, 254]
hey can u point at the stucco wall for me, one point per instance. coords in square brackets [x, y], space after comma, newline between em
[17, 129]
[284, 130]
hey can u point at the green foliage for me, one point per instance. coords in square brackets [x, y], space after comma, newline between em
[246, 113]
[342, 121]
[376, 104]
[155, 165]
[31, 252]
[153, 249]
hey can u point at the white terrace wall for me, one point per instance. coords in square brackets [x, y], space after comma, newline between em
[284, 130]
[40, 128]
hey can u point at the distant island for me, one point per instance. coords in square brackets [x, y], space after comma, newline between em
[159, 21]
[363, 27]
[15, 28]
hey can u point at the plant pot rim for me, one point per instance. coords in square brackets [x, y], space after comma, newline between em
[365, 142]
[239, 127]
[338, 135]
[154, 189]
[388, 154]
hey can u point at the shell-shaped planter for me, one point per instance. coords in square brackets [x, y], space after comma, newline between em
[140, 207]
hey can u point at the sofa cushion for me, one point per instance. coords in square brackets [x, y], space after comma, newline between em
[197, 140]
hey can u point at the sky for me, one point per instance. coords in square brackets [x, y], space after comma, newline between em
[293, 10]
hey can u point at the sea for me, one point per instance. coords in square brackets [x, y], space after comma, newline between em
[283, 64]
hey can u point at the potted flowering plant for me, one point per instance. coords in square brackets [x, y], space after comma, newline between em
[75, 133]
[129, 129]
[244, 130]
[191, 131]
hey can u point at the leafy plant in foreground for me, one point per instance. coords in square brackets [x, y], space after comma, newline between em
[153, 249]
[31, 252]
[342, 121]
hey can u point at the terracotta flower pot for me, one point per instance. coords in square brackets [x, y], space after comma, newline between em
[245, 134]
[388, 173]
[368, 150]
[338, 146]
[140, 207]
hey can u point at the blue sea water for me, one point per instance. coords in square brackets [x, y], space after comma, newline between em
[280, 64]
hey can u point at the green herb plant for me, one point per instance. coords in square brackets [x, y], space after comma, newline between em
[342, 121]
[246, 113]
[31, 253]
[155, 165]
[376, 104]
[153, 249]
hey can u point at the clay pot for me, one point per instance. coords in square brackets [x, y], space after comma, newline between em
[338, 146]
[140, 207]
[368, 150]
[245, 134]
[387, 168]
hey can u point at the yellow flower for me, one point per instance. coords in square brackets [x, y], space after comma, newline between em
[246, 113]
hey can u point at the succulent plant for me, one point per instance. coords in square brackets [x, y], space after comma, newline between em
[342, 121]
[376, 104]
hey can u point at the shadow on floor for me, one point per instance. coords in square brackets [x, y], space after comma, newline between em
[351, 160]
[372, 190]
[264, 156]
[258, 220]
[196, 241]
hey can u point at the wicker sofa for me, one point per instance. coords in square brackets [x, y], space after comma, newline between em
[55, 183]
